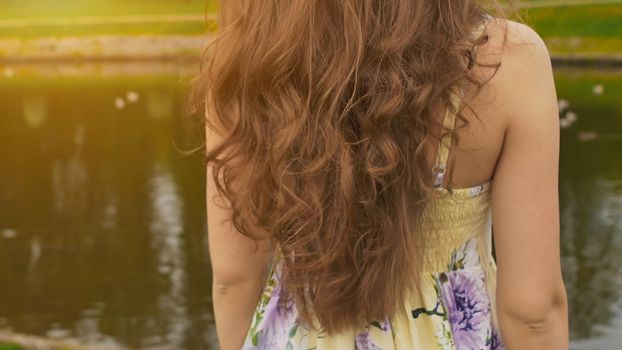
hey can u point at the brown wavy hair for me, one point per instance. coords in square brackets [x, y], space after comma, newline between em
[324, 111]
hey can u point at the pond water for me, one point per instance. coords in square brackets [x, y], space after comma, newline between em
[102, 225]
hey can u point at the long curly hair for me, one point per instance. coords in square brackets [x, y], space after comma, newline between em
[325, 111]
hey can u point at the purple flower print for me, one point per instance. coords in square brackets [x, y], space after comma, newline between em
[363, 342]
[495, 342]
[468, 307]
[277, 324]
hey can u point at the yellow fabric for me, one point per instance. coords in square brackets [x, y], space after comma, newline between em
[447, 222]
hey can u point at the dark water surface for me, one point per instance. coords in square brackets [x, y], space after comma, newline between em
[591, 205]
[102, 225]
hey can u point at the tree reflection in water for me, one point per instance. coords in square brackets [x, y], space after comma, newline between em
[102, 218]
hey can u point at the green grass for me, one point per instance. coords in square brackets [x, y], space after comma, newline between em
[584, 29]
[35, 10]
[12, 9]
[597, 21]
[11, 346]
[153, 28]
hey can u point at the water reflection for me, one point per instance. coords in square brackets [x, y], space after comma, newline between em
[101, 219]
[166, 228]
[35, 110]
[591, 206]
[102, 225]
[591, 248]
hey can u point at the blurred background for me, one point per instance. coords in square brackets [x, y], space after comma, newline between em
[102, 217]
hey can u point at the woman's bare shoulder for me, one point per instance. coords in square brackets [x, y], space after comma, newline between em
[525, 73]
[511, 40]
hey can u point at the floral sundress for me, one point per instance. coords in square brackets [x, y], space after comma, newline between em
[455, 305]
[455, 308]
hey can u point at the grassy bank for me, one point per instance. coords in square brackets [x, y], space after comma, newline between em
[571, 30]
[149, 27]
[12, 9]
[11, 346]
[61, 18]
[579, 29]
[566, 26]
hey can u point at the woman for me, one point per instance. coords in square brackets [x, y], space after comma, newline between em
[359, 154]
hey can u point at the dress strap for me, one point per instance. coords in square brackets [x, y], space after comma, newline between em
[442, 154]
[449, 119]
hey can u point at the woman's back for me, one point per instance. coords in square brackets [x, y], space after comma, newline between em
[458, 294]
[454, 307]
